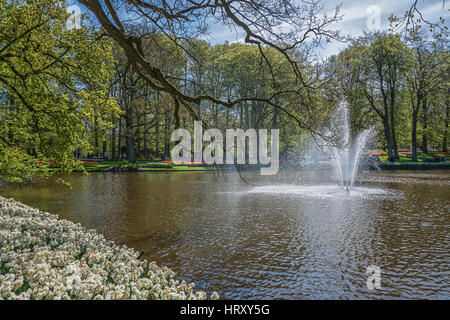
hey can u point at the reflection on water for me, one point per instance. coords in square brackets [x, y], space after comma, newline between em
[280, 237]
[323, 191]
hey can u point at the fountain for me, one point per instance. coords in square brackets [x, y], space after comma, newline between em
[337, 147]
[345, 155]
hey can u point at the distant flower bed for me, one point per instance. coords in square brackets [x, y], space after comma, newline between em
[57, 164]
[42, 257]
[47, 163]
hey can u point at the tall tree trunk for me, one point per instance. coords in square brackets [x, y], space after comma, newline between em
[424, 127]
[393, 133]
[253, 115]
[96, 136]
[113, 141]
[414, 134]
[247, 117]
[387, 134]
[156, 131]
[444, 139]
[119, 143]
[392, 91]
[138, 137]
[129, 135]
[216, 115]
[145, 138]
[387, 129]
[274, 119]
[104, 147]
[166, 136]
[241, 115]
[176, 112]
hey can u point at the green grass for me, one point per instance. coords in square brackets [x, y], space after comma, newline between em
[180, 167]
[145, 164]
[385, 159]
[168, 166]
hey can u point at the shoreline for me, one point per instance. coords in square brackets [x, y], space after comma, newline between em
[383, 166]
[44, 257]
[414, 165]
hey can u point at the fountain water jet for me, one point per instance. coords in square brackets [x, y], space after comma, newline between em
[346, 155]
[345, 152]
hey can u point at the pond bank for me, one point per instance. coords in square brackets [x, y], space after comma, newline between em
[43, 257]
[414, 165]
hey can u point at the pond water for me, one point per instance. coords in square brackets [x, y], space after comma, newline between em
[290, 236]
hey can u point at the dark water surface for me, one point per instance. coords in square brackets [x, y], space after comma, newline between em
[292, 236]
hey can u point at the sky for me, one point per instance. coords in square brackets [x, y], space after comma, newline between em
[358, 16]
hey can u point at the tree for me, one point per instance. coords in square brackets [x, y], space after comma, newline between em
[142, 105]
[429, 63]
[53, 86]
[413, 19]
[445, 131]
[285, 26]
[381, 59]
[347, 73]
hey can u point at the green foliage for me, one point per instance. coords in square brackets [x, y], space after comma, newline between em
[53, 86]
[15, 165]
[59, 87]
[382, 76]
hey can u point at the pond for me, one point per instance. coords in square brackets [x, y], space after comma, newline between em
[290, 236]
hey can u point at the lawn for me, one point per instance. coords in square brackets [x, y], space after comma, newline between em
[405, 156]
[97, 165]
[144, 164]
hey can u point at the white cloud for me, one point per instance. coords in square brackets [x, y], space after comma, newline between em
[355, 19]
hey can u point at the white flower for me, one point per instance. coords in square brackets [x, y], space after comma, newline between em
[42, 257]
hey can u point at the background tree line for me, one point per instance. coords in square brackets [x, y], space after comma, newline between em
[122, 87]
[398, 86]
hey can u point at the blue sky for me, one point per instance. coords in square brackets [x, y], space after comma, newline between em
[358, 16]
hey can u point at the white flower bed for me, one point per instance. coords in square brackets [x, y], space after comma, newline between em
[42, 257]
